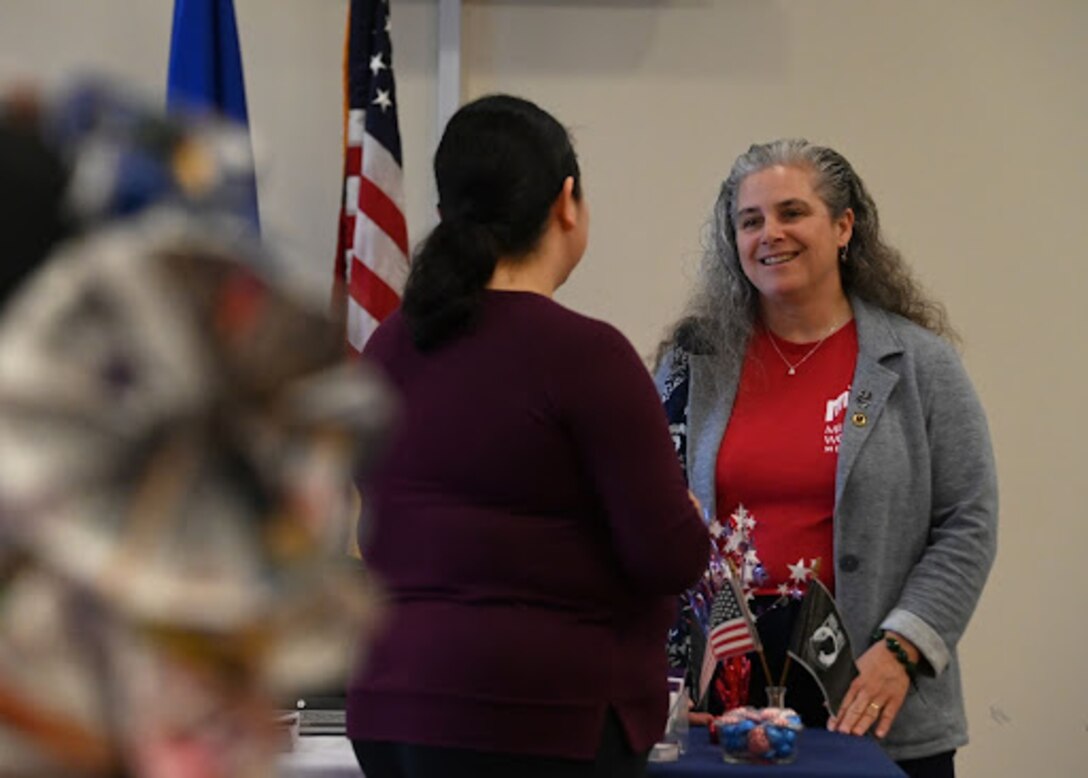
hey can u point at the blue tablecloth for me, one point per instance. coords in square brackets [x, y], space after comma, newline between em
[820, 754]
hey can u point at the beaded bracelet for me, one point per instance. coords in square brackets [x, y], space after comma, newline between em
[900, 654]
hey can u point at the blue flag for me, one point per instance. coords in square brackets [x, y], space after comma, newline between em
[205, 71]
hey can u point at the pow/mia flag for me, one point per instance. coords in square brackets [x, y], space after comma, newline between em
[819, 643]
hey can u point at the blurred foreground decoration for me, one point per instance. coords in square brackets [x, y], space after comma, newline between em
[178, 433]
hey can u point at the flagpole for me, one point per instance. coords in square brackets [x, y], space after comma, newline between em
[449, 60]
[785, 670]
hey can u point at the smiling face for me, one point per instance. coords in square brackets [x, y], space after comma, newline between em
[787, 240]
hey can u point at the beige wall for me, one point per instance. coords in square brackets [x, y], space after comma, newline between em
[962, 117]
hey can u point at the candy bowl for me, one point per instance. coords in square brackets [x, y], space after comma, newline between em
[758, 735]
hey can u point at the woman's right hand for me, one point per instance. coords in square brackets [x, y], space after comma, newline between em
[876, 695]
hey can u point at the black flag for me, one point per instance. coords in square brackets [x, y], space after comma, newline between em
[819, 643]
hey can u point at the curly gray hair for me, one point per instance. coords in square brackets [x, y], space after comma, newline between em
[723, 307]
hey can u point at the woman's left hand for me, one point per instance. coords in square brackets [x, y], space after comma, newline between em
[877, 694]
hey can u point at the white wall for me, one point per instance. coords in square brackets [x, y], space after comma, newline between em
[965, 118]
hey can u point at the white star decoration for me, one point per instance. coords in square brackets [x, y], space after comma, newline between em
[715, 529]
[798, 572]
[383, 100]
[745, 521]
[377, 64]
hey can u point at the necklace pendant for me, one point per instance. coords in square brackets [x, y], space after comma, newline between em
[792, 371]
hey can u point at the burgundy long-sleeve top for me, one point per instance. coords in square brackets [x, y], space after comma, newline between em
[532, 527]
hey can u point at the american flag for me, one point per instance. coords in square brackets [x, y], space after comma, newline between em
[372, 249]
[731, 632]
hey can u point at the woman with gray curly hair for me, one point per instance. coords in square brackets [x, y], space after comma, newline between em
[821, 411]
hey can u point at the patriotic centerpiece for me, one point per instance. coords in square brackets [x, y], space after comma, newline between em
[716, 630]
[178, 432]
[715, 624]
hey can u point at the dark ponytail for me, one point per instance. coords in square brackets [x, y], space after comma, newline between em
[500, 165]
[447, 281]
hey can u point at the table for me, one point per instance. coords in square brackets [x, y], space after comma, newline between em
[320, 756]
[820, 754]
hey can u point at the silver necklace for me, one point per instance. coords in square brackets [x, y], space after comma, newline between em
[791, 367]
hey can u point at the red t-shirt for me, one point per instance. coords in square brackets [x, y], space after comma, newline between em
[780, 451]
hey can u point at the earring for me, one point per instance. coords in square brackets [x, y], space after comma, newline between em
[842, 253]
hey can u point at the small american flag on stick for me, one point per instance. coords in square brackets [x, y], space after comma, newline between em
[731, 630]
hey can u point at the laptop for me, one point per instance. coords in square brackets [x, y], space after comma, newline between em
[321, 714]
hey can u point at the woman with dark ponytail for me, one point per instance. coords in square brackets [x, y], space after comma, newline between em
[529, 520]
[499, 168]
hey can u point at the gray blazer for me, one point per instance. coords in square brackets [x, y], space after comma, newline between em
[915, 505]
